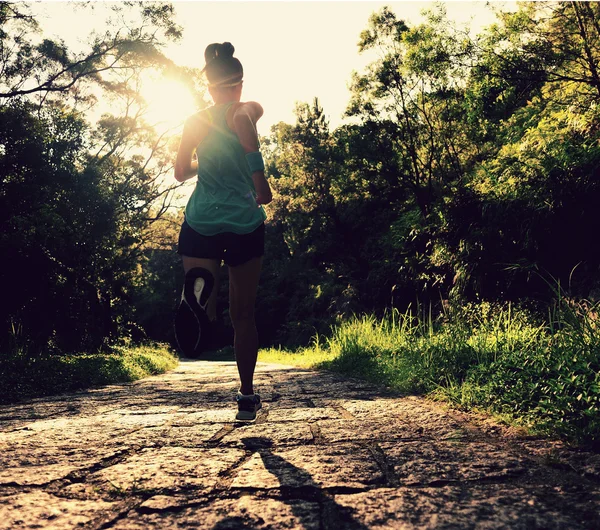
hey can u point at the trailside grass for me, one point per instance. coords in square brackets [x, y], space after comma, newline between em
[23, 375]
[541, 375]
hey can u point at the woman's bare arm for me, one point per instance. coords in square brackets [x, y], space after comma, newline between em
[194, 131]
[244, 121]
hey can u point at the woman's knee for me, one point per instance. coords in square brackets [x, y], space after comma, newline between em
[241, 316]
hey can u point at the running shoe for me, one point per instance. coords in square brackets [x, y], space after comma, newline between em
[192, 326]
[248, 406]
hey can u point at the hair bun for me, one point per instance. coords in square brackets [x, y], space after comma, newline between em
[226, 50]
[215, 50]
[210, 54]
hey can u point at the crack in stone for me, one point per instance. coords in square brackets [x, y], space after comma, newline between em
[286, 493]
[227, 476]
[386, 467]
[343, 412]
[220, 434]
[262, 416]
[77, 475]
[105, 522]
[80, 475]
[315, 430]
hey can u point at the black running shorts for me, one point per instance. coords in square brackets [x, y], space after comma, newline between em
[233, 249]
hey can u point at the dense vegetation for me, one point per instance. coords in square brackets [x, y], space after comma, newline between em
[541, 375]
[466, 174]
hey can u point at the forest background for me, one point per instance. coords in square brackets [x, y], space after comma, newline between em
[465, 182]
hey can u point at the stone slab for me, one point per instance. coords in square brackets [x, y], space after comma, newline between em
[424, 463]
[348, 466]
[39, 467]
[494, 506]
[291, 433]
[307, 414]
[382, 429]
[38, 509]
[243, 513]
[168, 468]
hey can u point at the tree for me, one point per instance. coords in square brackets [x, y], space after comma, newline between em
[78, 197]
[415, 89]
[48, 67]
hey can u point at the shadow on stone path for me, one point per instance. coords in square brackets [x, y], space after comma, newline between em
[326, 452]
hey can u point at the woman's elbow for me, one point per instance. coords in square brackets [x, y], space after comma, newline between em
[182, 173]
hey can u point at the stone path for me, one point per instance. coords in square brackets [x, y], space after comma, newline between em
[325, 453]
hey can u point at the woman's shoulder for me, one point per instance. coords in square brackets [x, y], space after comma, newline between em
[201, 117]
[250, 108]
[199, 123]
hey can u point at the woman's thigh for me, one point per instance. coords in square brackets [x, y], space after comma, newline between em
[213, 265]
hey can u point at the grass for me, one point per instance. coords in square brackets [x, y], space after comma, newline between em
[540, 374]
[308, 357]
[24, 376]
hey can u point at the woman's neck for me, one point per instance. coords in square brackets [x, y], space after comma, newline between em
[222, 97]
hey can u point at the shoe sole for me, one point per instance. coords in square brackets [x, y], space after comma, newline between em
[191, 321]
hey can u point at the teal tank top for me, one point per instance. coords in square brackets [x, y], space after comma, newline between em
[224, 197]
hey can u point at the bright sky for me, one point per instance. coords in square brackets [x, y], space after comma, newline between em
[291, 51]
[294, 51]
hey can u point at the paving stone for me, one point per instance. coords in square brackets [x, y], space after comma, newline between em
[168, 468]
[424, 415]
[244, 513]
[348, 466]
[158, 503]
[37, 509]
[140, 437]
[326, 452]
[291, 433]
[213, 415]
[130, 419]
[559, 456]
[281, 414]
[39, 467]
[423, 463]
[494, 506]
[191, 436]
[380, 430]
[79, 431]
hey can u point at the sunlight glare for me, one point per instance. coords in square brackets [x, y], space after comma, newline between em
[169, 102]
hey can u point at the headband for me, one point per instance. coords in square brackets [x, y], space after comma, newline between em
[225, 85]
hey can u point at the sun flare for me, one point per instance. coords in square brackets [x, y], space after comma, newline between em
[169, 102]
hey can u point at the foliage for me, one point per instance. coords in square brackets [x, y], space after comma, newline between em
[466, 173]
[78, 192]
[469, 171]
[24, 376]
[542, 375]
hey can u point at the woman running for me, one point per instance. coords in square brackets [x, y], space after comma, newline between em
[224, 218]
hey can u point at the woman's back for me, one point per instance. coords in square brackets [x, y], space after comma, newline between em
[223, 200]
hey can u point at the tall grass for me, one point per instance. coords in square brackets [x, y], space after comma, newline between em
[544, 375]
